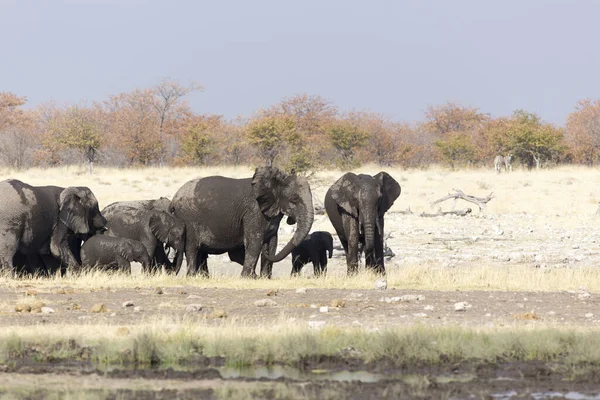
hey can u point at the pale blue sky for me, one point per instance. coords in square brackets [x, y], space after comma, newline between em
[395, 57]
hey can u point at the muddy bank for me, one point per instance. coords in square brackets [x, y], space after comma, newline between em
[324, 380]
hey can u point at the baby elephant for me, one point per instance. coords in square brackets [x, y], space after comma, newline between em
[106, 251]
[314, 248]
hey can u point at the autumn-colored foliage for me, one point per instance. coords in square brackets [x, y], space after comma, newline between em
[304, 133]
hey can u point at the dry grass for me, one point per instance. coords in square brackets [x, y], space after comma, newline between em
[419, 277]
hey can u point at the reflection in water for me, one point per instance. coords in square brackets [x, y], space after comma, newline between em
[279, 371]
[548, 395]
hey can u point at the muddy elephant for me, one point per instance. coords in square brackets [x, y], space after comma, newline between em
[315, 249]
[356, 205]
[45, 221]
[151, 227]
[241, 217]
[110, 252]
[160, 204]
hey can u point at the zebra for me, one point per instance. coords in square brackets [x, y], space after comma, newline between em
[500, 161]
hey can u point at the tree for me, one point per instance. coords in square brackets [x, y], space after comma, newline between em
[456, 148]
[452, 118]
[582, 132]
[18, 138]
[168, 101]
[346, 137]
[198, 138]
[133, 124]
[269, 133]
[528, 138]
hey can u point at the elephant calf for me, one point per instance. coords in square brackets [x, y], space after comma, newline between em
[106, 251]
[314, 248]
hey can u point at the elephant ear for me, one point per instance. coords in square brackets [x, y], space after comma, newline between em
[72, 212]
[267, 184]
[344, 192]
[390, 190]
[125, 249]
[160, 225]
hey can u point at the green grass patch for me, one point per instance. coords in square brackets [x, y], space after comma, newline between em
[182, 344]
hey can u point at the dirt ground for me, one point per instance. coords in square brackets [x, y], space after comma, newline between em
[366, 308]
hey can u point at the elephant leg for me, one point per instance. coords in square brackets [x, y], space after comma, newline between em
[316, 261]
[351, 226]
[253, 244]
[378, 259]
[191, 254]
[266, 267]
[161, 258]
[297, 264]
[323, 263]
[202, 267]
[123, 264]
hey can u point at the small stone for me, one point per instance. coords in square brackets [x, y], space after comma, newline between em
[428, 308]
[583, 296]
[338, 303]
[324, 309]
[123, 331]
[75, 307]
[31, 292]
[589, 315]
[316, 324]
[21, 307]
[380, 284]
[193, 296]
[488, 315]
[272, 292]
[47, 310]
[461, 306]
[551, 312]
[301, 290]
[520, 305]
[137, 309]
[191, 308]
[114, 314]
[265, 303]
[128, 304]
[158, 290]
[99, 308]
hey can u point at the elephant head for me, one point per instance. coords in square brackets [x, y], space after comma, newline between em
[366, 198]
[169, 230]
[278, 193]
[78, 210]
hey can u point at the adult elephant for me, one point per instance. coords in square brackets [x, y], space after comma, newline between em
[241, 217]
[151, 227]
[356, 205]
[42, 221]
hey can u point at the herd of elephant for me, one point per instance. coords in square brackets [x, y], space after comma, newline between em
[49, 229]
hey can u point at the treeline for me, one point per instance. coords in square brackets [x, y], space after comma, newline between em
[155, 126]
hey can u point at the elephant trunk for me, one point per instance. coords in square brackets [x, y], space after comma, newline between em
[305, 219]
[369, 237]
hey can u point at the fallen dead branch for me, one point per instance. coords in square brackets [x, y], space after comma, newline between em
[459, 194]
[408, 211]
[440, 213]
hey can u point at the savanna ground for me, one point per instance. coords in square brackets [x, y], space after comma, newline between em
[523, 275]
